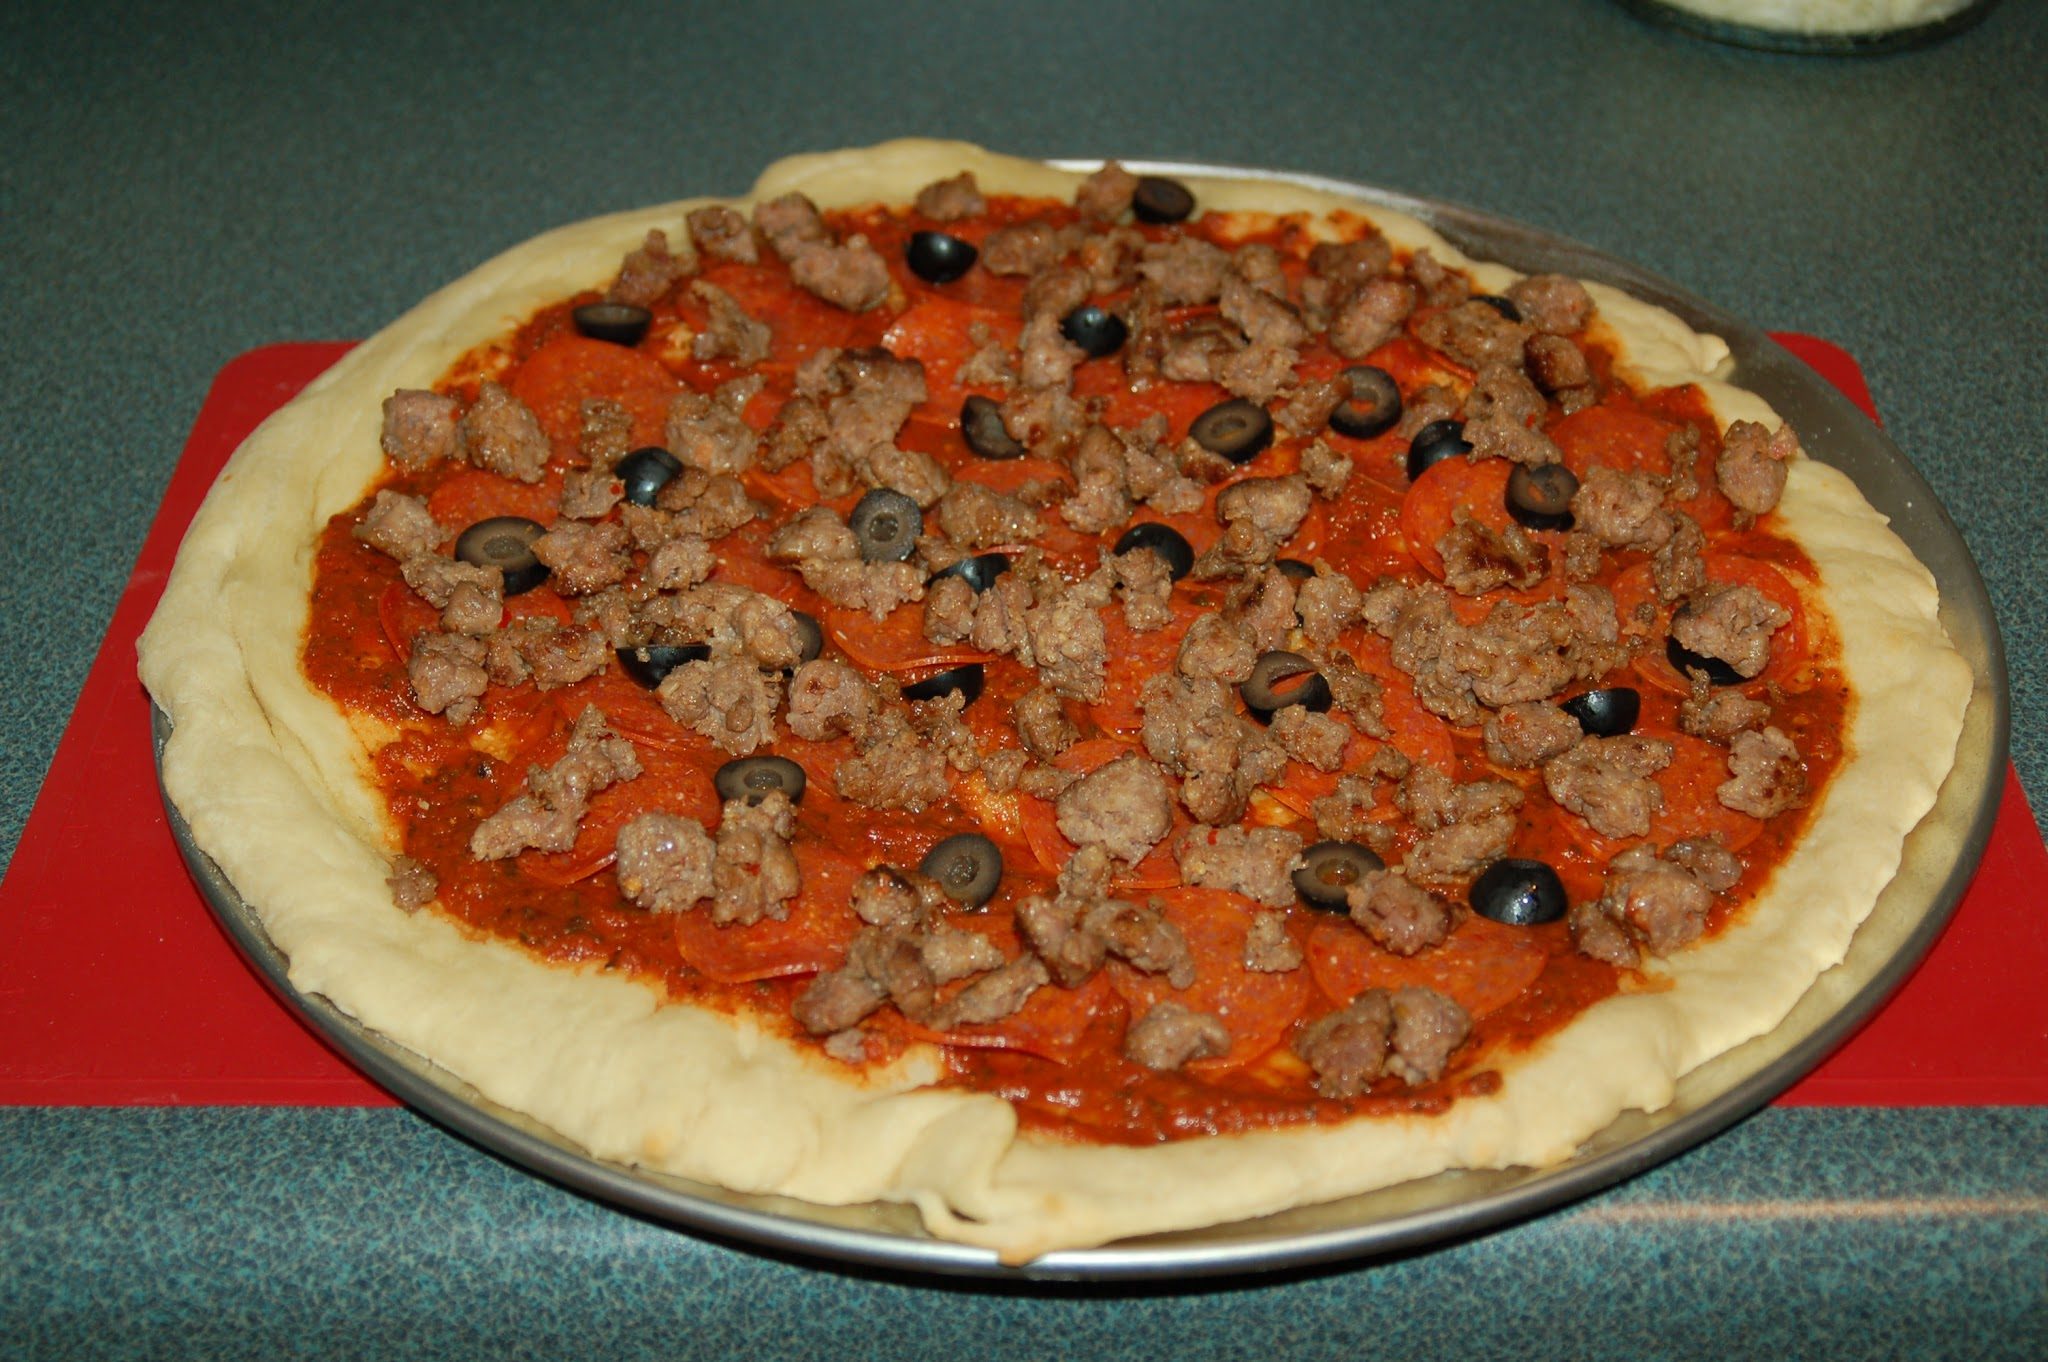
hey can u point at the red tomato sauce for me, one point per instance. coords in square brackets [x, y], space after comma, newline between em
[1058, 1059]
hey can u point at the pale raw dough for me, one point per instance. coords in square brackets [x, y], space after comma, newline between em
[266, 772]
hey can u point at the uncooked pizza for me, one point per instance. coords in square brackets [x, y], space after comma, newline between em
[1089, 703]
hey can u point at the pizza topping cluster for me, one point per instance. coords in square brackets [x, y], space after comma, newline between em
[1233, 676]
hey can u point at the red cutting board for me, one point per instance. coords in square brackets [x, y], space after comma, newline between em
[120, 988]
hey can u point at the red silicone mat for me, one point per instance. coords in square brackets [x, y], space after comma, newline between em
[119, 988]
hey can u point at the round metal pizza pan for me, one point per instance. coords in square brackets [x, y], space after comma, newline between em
[1940, 857]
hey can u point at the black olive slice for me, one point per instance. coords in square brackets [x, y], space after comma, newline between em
[1164, 540]
[650, 663]
[1159, 200]
[1236, 430]
[1505, 306]
[1718, 672]
[967, 679]
[1282, 679]
[981, 425]
[1374, 406]
[1096, 330]
[1540, 498]
[979, 572]
[755, 778]
[1329, 869]
[939, 257]
[1295, 570]
[886, 523]
[1606, 713]
[619, 323]
[1518, 892]
[968, 867]
[1435, 442]
[646, 471]
[505, 542]
[813, 637]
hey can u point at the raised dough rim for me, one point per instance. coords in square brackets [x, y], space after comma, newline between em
[797, 171]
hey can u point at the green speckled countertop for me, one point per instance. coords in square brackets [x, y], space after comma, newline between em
[179, 183]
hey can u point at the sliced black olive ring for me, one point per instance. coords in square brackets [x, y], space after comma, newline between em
[979, 572]
[619, 323]
[1236, 430]
[1265, 694]
[1374, 406]
[886, 523]
[967, 866]
[967, 679]
[1295, 570]
[1540, 498]
[1159, 200]
[1096, 330]
[650, 663]
[939, 257]
[1607, 713]
[645, 472]
[1718, 672]
[1329, 869]
[981, 425]
[1164, 540]
[1518, 892]
[505, 542]
[1435, 442]
[755, 778]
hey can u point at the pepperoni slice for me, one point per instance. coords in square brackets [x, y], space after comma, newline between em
[404, 616]
[1256, 1008]
[813, 937]
[471, 495]
[1483, 964]
[1427, 512]
[893, 644]
[1697, 769]
[1064, 1025]
[1791, 644]
[556, 379]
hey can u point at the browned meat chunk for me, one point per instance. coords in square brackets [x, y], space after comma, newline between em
[1461, 850]
[753, 872]
[1042, 723]
[997, 994]
[1622, 509]
[1347, 1048]
[1555, 304]
[1732, 623]
[1196, 731]
[1658, 905]
[1105, 196]
[708, 432]
[1400, 916]
[1025, 248]
[1474, 334]
[583, 558]
[664, 862]
[948, 610]
[729, 700]
[437, 579]
[1370, 317]
[728, 331]
[1765, 776]
[1350, 265]
[791, 223]
[976, 517]
[1478, 560]
[401, 526]
[1258, 515]
[827, 698]
[421, 428]
[1185, 271]
[1751, 469]
[1255, 862]
[501, 435]
[1269, 948]
[1718, 716]
[412, 885]
[1428, 1028]
[1678, 568]
[1558, 366]
[852, 276]
[1171, 1034]
[1069, 646]
[447, 674]
[1328, 604]
[1606, 781]
[1319, 740]
[896, 769]
[722, 234]
[1124, 807]
[647, 272]
[1707, 861]
[1527, 734]
[953, 199]
[547, 815]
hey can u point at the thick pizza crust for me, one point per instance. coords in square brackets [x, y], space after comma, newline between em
[266, 771]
